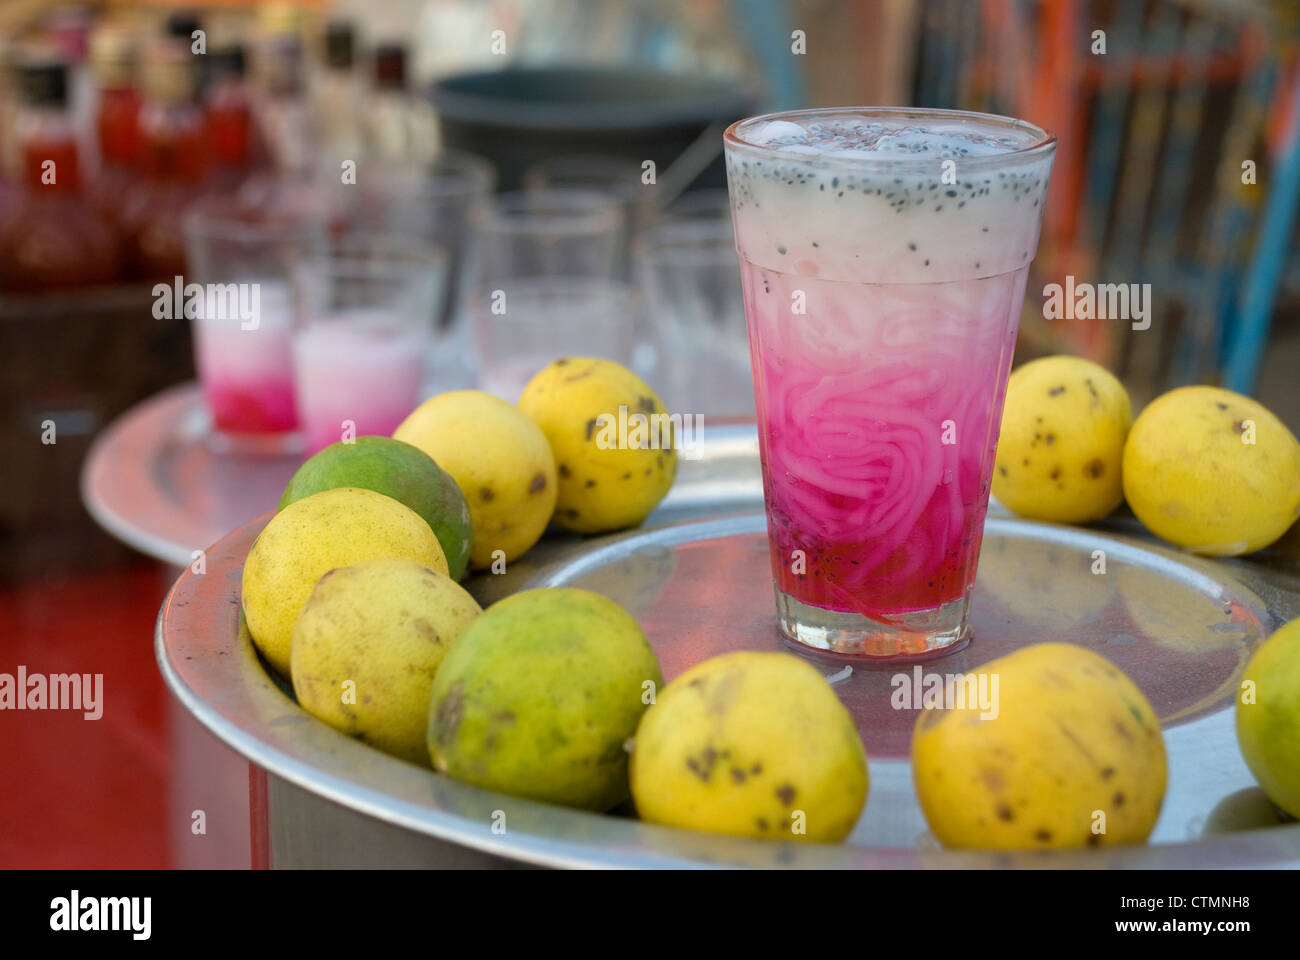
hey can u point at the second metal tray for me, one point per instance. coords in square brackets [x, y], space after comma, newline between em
[697, 580]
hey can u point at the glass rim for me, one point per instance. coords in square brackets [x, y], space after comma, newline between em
[1043, 145]
[456, 163]
[450, 175]
[569, 210]
[221, 225]
[380, 247]
[564, 286]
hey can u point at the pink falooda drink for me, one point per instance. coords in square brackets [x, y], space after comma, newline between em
[241, 268]
[884, 256]
[245, 363]
[357, 375]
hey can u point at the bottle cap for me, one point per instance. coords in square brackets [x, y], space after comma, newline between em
[228, 61]
[390, 66]
[340, 45]
[181, 25]
[43, 81]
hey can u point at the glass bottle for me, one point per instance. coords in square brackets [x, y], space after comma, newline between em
[173, 164]
[285, 113]
[53, 239]
[229, 107]
[400, 125]
[117, 120]
[292, 189]
[336, 94]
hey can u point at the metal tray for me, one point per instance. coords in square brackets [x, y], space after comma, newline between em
[154, 481]
[696, 577]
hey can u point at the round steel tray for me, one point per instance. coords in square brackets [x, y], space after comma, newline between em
[153, 480]
[696, 577]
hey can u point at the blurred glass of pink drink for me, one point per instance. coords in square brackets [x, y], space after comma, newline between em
[357, 378]
[242, 261]
[884, 255]
[245, 366]
[364, 334]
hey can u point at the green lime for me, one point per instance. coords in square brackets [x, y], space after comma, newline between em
[397, 470]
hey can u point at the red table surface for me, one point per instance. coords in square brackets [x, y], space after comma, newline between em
[85, 793]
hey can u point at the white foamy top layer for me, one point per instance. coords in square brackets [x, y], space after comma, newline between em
[887, 199]
[886, 139]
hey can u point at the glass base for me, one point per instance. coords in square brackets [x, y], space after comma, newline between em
[231, 443]
[919, 633]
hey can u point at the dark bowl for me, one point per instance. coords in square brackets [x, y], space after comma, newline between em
[519, 116]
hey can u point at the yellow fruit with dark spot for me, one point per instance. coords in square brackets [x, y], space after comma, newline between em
[367, 646]
[1064, 751]
[1212, 471]
[312, 536]
[499, 459]
[1062, 440]
[612, 440]
[1268, 717]
[751, 744]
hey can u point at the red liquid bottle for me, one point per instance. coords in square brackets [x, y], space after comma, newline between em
[9, 195]
[229, 109]
[173, 165]
[117, 121]
[54, 239]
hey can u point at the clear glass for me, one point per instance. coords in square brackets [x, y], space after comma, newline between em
[543, 282]
[884, 255]
[363, 331]
[694, 300]
[622, 180]
[243, 322]
[543, 318]
[437, 203]
[546, 233]
[617, 177]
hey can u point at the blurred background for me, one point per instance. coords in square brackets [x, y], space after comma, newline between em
[386, 171]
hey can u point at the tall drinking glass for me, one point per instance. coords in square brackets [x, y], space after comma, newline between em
[884, 255]
[616, 177]
[693, 293]
[437, 202]
[541, 283]
[243, 323]
[563, 232]
[363, 332]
